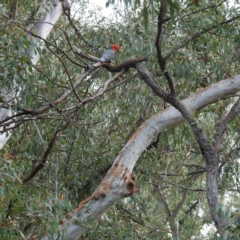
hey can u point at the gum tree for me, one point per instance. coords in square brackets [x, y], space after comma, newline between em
[169, 104]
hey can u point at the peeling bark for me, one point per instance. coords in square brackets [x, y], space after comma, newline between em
[207, 150]
[120, 181]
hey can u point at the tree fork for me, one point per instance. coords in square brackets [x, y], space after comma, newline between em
[207, 150]
[136, 146]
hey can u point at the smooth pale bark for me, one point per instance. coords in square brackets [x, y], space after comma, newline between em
[120, 181]
[42, 29]
[209, 155]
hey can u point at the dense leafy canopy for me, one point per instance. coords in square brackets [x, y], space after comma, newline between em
[79, 141]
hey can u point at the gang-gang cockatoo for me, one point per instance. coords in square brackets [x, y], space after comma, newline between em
[109, 54]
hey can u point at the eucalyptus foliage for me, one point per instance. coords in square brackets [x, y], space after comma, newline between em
[201, 46]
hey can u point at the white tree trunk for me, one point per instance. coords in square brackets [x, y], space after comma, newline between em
[42, 29]
[120, 181]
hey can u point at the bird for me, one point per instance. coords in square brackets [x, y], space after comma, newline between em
[109, 53]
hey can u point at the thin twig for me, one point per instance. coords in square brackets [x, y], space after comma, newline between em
[46, 154]
[197, 35]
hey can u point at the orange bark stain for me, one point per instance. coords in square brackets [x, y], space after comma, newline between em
[118, 172]
[159, 113]
[116, 164]
[103, 189]
[33, 238]
[136, 133]
[131, 185]
[113, 169]
[202, 90]
[82, 204]
[124, 176]
[115, 172]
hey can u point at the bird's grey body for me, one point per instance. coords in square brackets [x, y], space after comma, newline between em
[107, 55]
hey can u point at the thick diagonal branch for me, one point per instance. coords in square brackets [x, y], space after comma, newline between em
[114, 182]
[207, 150]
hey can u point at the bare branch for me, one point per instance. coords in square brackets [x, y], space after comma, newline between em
[77, 31]
[98, 94]
[206, 148]
[13, 9]
[47, 42]
[161, 60]
[119, 183]
[45, 155]
[63, 96]
[84, 55]
[165, 204]
[131, 63]
[190, 208]
[49, 79]
[203, 9]
[111, 68]
[199, 34]
[222, 124]
[180, 204]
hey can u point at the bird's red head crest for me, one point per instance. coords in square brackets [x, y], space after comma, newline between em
[115, 47]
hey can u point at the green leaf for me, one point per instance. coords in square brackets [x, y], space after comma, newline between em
[145, 17]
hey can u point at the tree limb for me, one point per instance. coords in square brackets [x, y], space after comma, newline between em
[13, 9]
[45, 155]
[113, 187]
[206, 148]
[222, 124]
[180, 204]
[161, 60]
[199, 34]
[190, 208]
